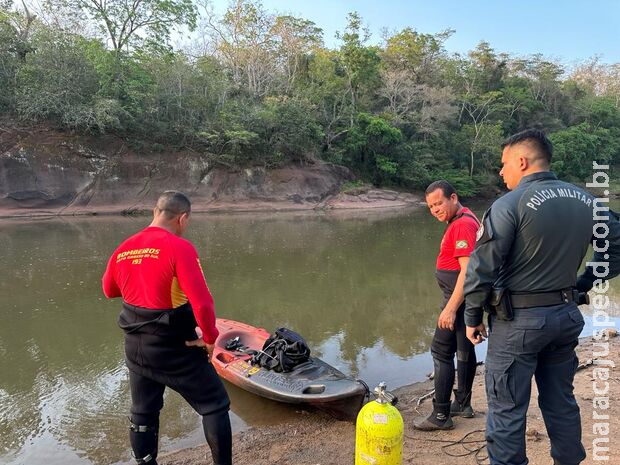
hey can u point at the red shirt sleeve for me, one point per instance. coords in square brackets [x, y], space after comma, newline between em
[108, 282]
[464, 238]
[192, 282]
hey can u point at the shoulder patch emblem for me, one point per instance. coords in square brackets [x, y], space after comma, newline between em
[480, 232]
[462, 244]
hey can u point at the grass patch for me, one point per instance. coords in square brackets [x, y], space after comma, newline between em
[353, 187]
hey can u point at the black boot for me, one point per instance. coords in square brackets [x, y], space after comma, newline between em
[439, 419]
[461, 408]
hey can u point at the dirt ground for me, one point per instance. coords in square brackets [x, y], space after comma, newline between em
[316, 439]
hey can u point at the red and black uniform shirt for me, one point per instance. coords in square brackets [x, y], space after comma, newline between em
[155, 269]
[458, 240]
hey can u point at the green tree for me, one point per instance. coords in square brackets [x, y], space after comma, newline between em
[59, 82]
[359, 63]
[289, 129]
[245, 42]
[327, 88]
[420, 55]
[516, 107]
[480, 130]
[485, 70]
[371, 147]
[574, 149]
[132, 24]
[482, 140]
[542, 78]
[296, 39]
[16, 28]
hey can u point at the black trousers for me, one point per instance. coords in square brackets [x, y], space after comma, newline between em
[147, 399]
[446, 344]
[539, 342]
[157, 357]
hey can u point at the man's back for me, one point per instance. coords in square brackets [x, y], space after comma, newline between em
[144, 268]
[540, 233]
[554, 228]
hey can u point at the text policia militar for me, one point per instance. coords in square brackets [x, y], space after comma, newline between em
[600, 318]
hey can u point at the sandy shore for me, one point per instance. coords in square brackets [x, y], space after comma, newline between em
[339, 203]
[316, 439]
[373, 200]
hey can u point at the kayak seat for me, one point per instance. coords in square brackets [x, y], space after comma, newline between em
[309, 370]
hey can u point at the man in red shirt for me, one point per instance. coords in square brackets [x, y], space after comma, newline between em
[165, 296]
[450, 338]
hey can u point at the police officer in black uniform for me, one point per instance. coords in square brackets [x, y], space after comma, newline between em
[523, 271]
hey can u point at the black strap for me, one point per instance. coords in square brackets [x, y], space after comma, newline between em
[462, 214]
[543, 299]
[143, 460]
[141, 428]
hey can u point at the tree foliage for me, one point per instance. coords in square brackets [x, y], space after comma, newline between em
[259, 88]
[132, 24]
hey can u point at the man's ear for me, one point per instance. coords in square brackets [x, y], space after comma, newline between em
[183, 219]
[524, 163]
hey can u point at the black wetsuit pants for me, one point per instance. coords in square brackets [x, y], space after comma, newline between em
[445, 345]
[146, 403]
[157, 357]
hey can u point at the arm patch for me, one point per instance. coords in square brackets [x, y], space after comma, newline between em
[485, 231]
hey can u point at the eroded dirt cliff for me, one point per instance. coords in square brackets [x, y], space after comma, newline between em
[46, 172]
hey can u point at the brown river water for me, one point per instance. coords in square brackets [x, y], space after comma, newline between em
[359, 286]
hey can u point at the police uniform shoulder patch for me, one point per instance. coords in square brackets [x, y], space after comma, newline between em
[462, 244]
[485, 231]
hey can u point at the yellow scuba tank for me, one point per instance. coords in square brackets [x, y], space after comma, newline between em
[379, 431]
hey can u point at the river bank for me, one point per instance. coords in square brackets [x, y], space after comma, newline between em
[316, 439]
[44, 172]
[361, 199]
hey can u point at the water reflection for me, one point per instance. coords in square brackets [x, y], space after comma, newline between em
[358, 286]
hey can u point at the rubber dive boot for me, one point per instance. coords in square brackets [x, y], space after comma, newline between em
[462, 409]
[438, 420]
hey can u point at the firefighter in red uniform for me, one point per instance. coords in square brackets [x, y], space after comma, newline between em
[450, 338]
[165, 296]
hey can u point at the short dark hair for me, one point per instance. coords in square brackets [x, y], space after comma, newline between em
[173, 203]
[537, 138]
[442, 184]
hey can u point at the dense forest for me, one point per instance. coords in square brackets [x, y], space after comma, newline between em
[253, 87]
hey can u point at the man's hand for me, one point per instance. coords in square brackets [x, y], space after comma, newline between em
[476, 334]
[201, 344]
[446, 319]
[583, 283]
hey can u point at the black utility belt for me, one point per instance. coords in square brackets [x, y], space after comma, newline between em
[502, 302]
[547, 299]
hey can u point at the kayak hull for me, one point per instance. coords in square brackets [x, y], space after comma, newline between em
[313, 383]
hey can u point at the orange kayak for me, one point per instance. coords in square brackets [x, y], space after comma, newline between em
[313, 383]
